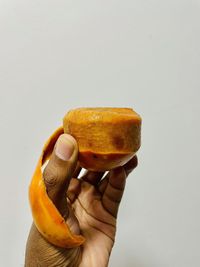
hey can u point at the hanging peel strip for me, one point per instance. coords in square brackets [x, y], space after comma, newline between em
[46, 217]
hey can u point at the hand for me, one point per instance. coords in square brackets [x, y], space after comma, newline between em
[90, 209]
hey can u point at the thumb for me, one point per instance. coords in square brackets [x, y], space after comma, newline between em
[60, 168]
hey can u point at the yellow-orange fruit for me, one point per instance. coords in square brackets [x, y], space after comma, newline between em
[107, 137]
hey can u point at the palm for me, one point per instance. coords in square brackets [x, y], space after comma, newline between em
[92, 208]
[95, 205]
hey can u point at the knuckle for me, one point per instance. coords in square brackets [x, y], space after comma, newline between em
[131, 165]
[51, 176]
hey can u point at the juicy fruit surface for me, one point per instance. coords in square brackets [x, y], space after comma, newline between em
[107, 137]
[89, 115]
[103, 162]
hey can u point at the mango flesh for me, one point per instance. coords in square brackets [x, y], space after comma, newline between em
[107, 137]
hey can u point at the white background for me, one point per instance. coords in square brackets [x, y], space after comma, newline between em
[61, 54]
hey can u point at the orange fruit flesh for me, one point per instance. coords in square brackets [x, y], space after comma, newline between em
[107, 137]
[103, 162]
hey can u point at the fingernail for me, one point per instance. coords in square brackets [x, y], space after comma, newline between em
[64, 147]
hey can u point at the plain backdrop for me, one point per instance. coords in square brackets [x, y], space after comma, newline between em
[58, 55]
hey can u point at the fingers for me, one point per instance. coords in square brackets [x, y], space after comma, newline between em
[103, 183]
[114, 190]
[60, 167]
[77, 170]
[112, 186]
[131, 165]
[128, 167]
[92, 177]
[73, 189]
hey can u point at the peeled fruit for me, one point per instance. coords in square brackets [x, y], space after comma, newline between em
[107, 137]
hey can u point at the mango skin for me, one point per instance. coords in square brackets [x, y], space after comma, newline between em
[46, 217]
[107, 137]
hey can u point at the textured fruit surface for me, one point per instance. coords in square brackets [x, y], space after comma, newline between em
[107, 137]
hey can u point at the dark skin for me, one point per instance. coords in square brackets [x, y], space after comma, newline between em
[90, 208]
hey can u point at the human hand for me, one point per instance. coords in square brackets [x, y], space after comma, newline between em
[90, 209]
